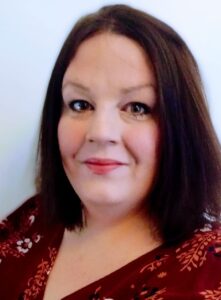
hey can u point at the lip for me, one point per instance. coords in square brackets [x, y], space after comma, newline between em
[102, 166]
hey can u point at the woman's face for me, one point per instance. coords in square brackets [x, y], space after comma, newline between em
[108, 131]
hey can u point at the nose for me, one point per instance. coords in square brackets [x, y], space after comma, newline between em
[104, 127]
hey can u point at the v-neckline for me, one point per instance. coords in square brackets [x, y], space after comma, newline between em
[144, 258]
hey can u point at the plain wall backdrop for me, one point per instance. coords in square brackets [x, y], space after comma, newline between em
[32, 33]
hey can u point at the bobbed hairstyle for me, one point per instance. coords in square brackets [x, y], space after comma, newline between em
[186, 193]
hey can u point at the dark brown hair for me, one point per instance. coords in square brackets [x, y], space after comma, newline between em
[186, 194]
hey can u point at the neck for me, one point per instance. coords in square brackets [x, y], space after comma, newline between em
[110, 215]
[132, 229]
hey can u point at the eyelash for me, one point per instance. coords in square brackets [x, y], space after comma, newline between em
[86, 106]
[137, 109]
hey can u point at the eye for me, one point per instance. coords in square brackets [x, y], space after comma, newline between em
[80, 105]
[138, 110]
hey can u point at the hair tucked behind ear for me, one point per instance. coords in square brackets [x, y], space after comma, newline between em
[186, 194]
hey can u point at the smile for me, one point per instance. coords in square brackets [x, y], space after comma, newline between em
[102, 166]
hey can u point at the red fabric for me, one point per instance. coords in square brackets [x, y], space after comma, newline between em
[190, 270]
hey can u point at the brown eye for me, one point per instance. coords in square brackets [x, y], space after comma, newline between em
[138, 110]
[80, 105]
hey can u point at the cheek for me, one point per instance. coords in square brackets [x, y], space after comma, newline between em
[144, 142]
[70, 137]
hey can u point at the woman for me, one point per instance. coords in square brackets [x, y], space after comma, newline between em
[129, 181]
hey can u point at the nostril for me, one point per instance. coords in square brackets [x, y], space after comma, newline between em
[112, 142]
[106, 140]
[101, 131]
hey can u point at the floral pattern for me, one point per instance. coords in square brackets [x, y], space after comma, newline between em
[155, 264]
[13, 241]
[162, 274]
[149, 293]
[38, 281]
[24, 245]
[212, 294]
[157, 296]
[193, 253]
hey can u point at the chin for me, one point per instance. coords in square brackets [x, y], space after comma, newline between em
[102, 199]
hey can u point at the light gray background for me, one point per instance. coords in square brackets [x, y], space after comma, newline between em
[32, 33]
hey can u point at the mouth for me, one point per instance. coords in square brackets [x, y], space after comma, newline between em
[102, 166]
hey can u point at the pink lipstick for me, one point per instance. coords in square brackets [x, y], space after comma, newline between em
[102, 166]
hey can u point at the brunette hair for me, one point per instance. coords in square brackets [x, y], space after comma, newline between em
[186, 194]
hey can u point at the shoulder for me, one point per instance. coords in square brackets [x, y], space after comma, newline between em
[28, 249]
[15, 228]
[201, 251]
[22, 217]
[204, 247]
[199, 261]
[188, 270]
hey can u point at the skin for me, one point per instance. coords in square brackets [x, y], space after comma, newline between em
[109, 74]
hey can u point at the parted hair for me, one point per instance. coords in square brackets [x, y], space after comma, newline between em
[186, 192]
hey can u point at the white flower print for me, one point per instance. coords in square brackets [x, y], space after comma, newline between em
[32, 219]
[24, 245]
[36, 238]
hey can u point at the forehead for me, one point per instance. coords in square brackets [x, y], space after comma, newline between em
[110, 58]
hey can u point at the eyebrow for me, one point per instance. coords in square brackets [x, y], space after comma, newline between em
[123, 90]
[77, 85]
[137, 87]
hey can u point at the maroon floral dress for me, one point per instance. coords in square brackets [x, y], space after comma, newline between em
[190, 270]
